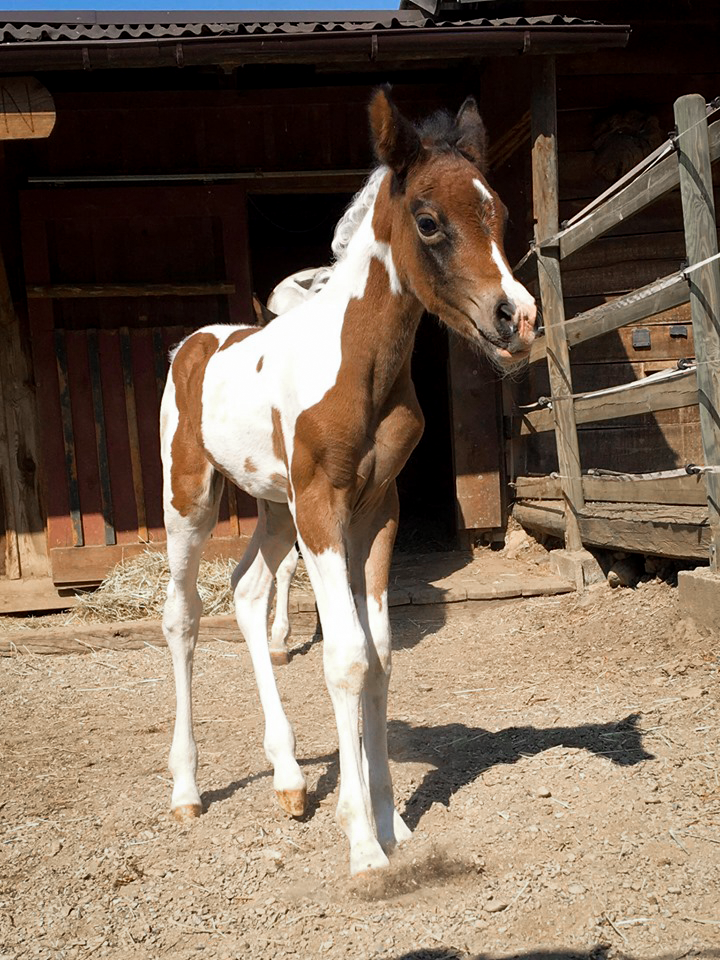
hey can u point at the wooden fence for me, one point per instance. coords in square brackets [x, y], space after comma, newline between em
[674, 512]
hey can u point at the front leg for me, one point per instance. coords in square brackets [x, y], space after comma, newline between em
[371, 543]
[345, 659]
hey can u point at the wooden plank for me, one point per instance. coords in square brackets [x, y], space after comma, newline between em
[661, 295]
[101, 435]
[69, 439]
[631, 199]
[26, 542]
[32, 596]
[84, 436]
[545, 211]
[679, 537]
[118, 442]
[145, 391]
[133, 435]
[27, 110]
[680, 391]
[695, 152]
[78, 291]
[475, 439]
[91, 564]
[624, 488]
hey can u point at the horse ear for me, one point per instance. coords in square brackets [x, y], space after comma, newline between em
[472, 135]
[397, 143]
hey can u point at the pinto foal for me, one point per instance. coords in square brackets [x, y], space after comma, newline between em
[315, 415]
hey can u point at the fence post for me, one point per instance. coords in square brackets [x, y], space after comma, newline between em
[696, 188]
[545, 211]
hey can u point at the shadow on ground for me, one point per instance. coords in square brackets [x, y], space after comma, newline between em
[594, 953]
[459, 754]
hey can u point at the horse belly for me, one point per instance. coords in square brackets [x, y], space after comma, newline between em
[237, 433]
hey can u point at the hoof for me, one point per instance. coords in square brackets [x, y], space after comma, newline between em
[187, 812]
[292, 801]
[279, 658]
[371, 858]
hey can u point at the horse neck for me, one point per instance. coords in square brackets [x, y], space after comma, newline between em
[381, 317]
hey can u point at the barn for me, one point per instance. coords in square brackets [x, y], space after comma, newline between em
[158, 172]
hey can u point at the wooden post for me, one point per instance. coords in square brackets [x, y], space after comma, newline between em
[545, 212]
[696, 188]
[28, 553]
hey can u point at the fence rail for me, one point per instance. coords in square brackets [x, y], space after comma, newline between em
[684, 160]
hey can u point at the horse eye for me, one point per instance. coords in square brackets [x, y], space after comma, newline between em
[427, 226]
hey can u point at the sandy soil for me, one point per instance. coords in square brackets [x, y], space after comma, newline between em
[556, 758]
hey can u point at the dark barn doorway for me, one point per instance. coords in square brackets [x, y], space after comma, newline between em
[290, 232]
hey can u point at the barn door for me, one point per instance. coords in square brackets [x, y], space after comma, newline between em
[115, 277]
[477, 443]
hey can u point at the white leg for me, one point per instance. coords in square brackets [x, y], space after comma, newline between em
[346, 667]
[281, 622]
[252, 581]
[370, 567]
[181, 621]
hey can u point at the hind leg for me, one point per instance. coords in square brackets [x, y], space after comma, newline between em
[186, 536]
[281, 622]
[273, 539]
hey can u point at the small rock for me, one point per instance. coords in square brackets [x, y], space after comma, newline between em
[693, 693]
[496, 906]
[543, 792]
[576, 889]
[55, 848]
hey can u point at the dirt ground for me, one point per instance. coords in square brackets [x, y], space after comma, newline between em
[556, 758]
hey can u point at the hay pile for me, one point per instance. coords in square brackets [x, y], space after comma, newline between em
[135, 590]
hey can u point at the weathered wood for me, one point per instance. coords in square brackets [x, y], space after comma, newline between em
[77, 291]
[545, 211]
[33, 594]
[475, 439]
[27, 110]
[26, 546]
[628, 401]
[100, 435]
[645, 302]
[682, 489]
[91, 564]
[629, 200]
[133, 433]
[68, 439]
[695, 150]
[682, 534]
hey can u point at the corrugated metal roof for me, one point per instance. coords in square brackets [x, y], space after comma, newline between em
[19, 31]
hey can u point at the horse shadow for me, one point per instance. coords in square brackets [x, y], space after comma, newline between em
[458, 754]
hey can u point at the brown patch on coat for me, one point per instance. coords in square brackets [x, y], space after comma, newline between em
[357, 438]
[238, 336]
[260, 364]
[278, 440]
[249, 466]
[190, 471]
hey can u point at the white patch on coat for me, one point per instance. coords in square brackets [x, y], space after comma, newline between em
[514, 291]
[482, 190]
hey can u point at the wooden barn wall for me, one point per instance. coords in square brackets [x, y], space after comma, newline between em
[597, 96]
[99, 361]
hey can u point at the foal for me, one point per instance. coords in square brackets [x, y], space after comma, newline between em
[315, 415]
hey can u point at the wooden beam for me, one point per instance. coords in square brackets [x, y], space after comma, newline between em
[638, 194]
[80, 291]
[27, 544]
[545, 210]
[681, 489]
[663, 294]
[694, 156]
[27, 111]
[628, 401]
[680, 532]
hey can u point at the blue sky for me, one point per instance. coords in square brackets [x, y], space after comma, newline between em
[216, 5]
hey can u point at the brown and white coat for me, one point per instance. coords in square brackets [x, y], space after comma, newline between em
[315, 415]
